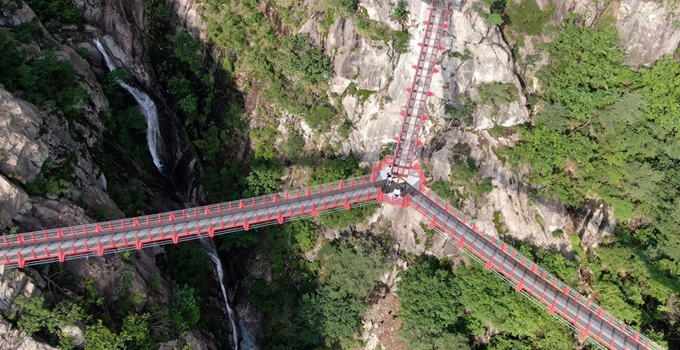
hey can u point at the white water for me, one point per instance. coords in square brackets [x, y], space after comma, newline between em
[148, 107]
[220, 274]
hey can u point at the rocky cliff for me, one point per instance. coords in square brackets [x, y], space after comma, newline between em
[50, 175]
[648, 29]
[122, 27]
[33, 140]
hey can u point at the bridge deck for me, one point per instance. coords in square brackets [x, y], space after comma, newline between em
[408, 140]
[173, 227]
[98, 238]
[584, 316]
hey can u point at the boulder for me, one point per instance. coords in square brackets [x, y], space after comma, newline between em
[477, 54]
[76, 332]
[188, 12]
[13, 339]
[22, 148]
[649, 29]
[14, 283]
[12, 200]
[594, 220]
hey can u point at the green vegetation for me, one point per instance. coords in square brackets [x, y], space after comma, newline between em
[312, 304]
[203, 94]
[362, 94]
[464, 174]
[273, 61]
[598, 78]
[333, 311]
[347, 219]
[53, 179]
[294, 145]
[461, 109]
[45, 81]
[445, 308]
[34, 318]
[491, 11]
[63, 11]
[27, 32]
[499, 224]
[497, 94]
[607, 131]
[527, 17]
[401, 11]
[375, 30]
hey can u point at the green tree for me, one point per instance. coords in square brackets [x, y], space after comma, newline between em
[305, 233]
[294, 144]
[185, 312]
[334, 169]
[333, 312]
[430, 309]
[63, 11]
[527, 17]
[493, 19]
[660, 87]
[34, 317]
[497, 95]
[343, 219]
[12, 59]
[554, 162]
[263, 179]
[586, 69]
[100, 337]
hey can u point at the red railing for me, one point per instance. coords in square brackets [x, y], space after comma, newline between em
[58, 244]
[528, 265]
[408, 141]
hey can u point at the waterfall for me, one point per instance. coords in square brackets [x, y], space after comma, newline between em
[220, 273]
[153, 135]
[148, 108]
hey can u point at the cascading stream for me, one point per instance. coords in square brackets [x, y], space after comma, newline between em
[220, 273]
[148, 108]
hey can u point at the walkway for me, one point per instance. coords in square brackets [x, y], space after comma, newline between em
[397, 180]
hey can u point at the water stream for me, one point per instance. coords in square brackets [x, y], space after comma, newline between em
[220, 273]
[148, 108]
[153, 136]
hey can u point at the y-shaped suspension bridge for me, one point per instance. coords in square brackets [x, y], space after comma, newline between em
[397, 180]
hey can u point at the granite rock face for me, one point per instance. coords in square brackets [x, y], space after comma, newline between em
[23, 149]
[124, 24]
[13, 339]
[12, 201]
[478, 55]
[648, 29]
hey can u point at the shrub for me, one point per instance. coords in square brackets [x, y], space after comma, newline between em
[400, 41]
[400, 11]
[294, 144]
[527, 17]
[185, 312]
[27, 32]
[321, 118]
[63, 11]
[496, 94]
